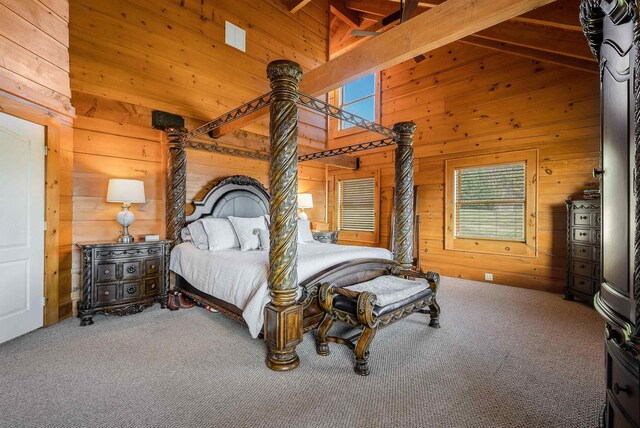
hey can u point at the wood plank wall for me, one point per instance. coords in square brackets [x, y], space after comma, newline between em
[170, 54]
[470, 101]
[129, 57]
[34, 41]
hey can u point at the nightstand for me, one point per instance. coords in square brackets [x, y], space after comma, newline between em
[330, 237]
[122, 279]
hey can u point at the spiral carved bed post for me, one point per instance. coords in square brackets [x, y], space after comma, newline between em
[176, 184]
[283, 322]
[403, 226]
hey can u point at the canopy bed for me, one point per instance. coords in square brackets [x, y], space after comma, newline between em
[283, 304]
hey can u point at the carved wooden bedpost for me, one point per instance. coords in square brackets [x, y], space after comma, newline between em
[176, 184]
[403, 226]
[283, 325]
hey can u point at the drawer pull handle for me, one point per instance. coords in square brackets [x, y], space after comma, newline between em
[618, 389]
[153, 266]
[583, 217]
[153, 286]
[583, 234]
[107, 271]
[131, 290]
[106, 293]
[131, 269]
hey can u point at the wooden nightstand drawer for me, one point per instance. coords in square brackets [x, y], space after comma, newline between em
[107, 294]
[131, 269]
[152, 266]
[623, 386]
[131, 290]
[581, 267]
[582, 219]
[106, 272]
[152, 286]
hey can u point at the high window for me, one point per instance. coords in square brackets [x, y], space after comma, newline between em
[359, 97]
[491, 204]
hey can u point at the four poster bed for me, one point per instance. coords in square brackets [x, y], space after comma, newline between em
[275, 292]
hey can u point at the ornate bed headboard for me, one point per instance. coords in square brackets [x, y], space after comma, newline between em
[238, 196]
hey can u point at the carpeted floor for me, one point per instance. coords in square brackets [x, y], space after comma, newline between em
[504, 357]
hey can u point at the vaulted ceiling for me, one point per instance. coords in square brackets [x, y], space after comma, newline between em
[550, 33]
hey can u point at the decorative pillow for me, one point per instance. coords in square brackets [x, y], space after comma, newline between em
[185, 235]
[246, 230]
[304, 232]
[198, 235]
[220, 233]
[263, 236]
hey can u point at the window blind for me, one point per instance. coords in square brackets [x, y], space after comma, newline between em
[490, 202]
[356, 204]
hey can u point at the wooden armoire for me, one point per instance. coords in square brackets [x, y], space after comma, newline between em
[613, 32]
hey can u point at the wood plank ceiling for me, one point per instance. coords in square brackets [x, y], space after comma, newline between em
[550, 33]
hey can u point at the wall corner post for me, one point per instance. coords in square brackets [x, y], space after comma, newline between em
[283, 321]
[176, 184]
[403, 206]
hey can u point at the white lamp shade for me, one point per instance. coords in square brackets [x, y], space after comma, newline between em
[128, 191]
[305, 200]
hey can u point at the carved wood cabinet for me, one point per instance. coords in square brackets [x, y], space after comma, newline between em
[613, 32]
[583, 245]
[122, 279]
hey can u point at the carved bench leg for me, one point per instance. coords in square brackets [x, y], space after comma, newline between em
[86, 320]
[362, 350]
[434, 311]
[322, 346]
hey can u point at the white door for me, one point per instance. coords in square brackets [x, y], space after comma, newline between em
[21, 226]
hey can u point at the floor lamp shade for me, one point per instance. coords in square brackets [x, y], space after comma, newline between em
[305, 200]
[128, 192]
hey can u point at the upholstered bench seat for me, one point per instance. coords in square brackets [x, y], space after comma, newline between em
[374, 304]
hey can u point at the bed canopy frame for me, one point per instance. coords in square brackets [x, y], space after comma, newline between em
[283, 318]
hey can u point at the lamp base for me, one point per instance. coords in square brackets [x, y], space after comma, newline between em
[303, 216]
[125, 239]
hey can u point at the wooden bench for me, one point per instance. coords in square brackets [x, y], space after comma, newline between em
[375, 304]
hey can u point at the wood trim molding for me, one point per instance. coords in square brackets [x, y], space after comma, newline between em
[57, 127]
[529, 247]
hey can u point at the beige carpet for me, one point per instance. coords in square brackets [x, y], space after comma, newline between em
[504, 357]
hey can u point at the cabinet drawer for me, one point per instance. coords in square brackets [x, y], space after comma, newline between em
[106, 294]
[105, 272]
[581, 235]
[580, 251]
[152, 286]
[131, 269]
[131, 290]
[583, 285]
[581, 267]
[582, 218]
[622, 385]
[152, 266]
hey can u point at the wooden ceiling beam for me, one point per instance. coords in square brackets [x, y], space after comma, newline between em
[437, 27]
[380, 9]
[296, 5]
[349, 16]
[546, 39]
[565, 61]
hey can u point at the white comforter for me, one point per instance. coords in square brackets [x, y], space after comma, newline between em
[240, 277]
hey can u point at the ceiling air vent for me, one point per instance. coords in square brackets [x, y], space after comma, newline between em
[234, 36]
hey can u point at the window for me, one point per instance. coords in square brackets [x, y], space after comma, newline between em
[359, 97]
[357, 200]
[491, 203]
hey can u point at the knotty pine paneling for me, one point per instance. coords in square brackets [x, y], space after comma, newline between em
[34, 41]
[470, 101]
[170, 54]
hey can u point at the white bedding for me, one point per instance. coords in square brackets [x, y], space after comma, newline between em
[240, 277]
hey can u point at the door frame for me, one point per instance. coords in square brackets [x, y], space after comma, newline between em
[58, 131]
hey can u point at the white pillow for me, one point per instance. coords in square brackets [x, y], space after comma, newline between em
[246, 230]
[220, 233]
[263, 236]
[198, 235]
[304, 232]
[185, 235]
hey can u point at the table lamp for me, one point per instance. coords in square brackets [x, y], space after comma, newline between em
[305, 200]
[127, 192]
